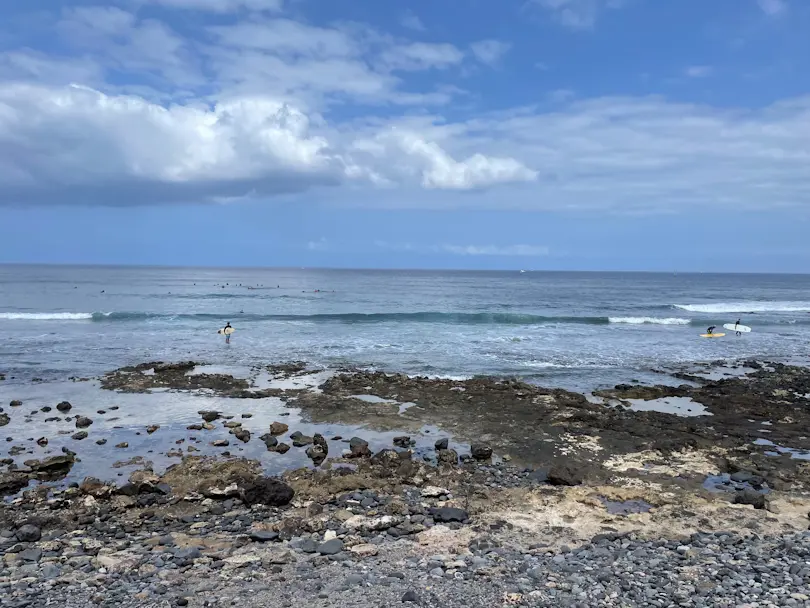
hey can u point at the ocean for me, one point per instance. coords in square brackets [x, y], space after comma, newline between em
[563, 329]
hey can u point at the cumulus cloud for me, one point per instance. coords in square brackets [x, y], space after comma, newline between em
[490, 51]
[421, 56]
[411, 21]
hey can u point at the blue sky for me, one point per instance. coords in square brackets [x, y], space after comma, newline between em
[542, 134]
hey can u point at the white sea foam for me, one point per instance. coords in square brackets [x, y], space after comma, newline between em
[650, 320]
[740, 307]
[46, 316]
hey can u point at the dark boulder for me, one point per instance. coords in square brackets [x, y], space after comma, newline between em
[565, 475]
[442, 444]
[82, 422]
[266, 491]
[449, 514]
[64, 406]
[359, 448]
[481, 451]
[269, 440]
[750, 497]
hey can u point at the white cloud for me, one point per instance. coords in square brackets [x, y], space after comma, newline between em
[288, 38]
[773, 7]
[578, 14]
[699, 71]
[490, 51]
[411, 21]
[219, 6]
[421, 56]
[495, 250]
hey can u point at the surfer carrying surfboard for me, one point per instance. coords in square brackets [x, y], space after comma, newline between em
[227, 333]
[739, 333]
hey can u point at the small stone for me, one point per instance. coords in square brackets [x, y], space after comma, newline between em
[209, 415]
[64, 406]
[364, 550]
[278, 428]
[82, 422]
[448, 456]
[269, 440]
[79, 436]
[242, 435]
[28, 533]
[404, 441]
[281, 448]
[449, 514]
[220, 443]
[442, 444]
[42, 441]
[359, 448]
[331, 547]
[481, 451]
[101, 441]
[16, 403]
[123, 444]
[410, 596]
[263, 536]
[152, 428]
[750, 497]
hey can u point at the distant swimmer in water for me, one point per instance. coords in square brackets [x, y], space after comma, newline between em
[710, 331]
[227, 333]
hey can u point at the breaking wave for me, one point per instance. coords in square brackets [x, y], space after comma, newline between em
[745, 307]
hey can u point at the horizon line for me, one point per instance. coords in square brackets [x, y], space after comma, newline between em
[387, 269]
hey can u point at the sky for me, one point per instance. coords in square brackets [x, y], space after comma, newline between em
[519, 134]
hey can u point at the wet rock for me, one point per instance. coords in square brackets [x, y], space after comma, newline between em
[101, 441]
[359, 448]
[82, 422]
[194, 427]
[242, 435]
[53, 464]
[442, 444]
[123, 444]
[42, 441]
[750, 497]
[64, 406]
[269, 440]
[95, 488]
[220, 443]
[4, 419]
[267, 491]
[209, 415]
[28, 533]
[403, 441]
[316, 454]
[16, 403]
[320, 441]
[79, 436]
[232, 424]
[481, 451]
[300, 440]
[152, 428]
[13, 482]
[278, 428]
[565, 475]
[46, 409]
[448, 456]
[449, 514]
[281, 448]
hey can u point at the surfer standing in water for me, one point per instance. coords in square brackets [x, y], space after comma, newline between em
[227, 333]
[739, 333]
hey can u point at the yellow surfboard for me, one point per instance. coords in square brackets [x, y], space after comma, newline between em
[712, 335]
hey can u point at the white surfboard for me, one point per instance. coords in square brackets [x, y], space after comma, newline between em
[741, 328]
[226, 330]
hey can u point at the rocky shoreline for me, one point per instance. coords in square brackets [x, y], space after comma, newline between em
[537, 497]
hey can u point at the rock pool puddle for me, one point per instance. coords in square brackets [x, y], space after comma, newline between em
[778, 450]
[679, 406]
[130, 420]
[625, 507]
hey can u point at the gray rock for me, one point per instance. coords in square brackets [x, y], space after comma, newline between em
[32, 554]
[331, 547]
[263, 536]
[481, 451]
[442, 444]
[28, 533]
[309, 546]
[750, 497]
[449, 514]
[64, 406]
[82, 422]
[51, 571]
[79, 436]
[410, 596]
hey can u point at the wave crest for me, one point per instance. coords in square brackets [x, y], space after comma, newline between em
[743, 307]
[650, 320]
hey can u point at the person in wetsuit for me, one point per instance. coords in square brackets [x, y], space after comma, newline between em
[739, 333]
[227, 335]
[710, 331]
